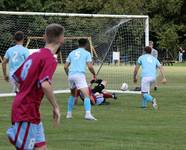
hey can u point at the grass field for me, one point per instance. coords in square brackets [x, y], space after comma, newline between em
[115, 75]
[122, 125]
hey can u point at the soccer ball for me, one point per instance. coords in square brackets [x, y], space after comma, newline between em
[124, 87]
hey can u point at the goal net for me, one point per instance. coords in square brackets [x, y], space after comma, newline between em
[116, 41]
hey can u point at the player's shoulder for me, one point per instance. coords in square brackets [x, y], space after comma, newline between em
[43, 53]
[85, 51]
[142, 56]
[154, 50]
[145, 56]
[72, 52]
[13, 48]
[25, 48]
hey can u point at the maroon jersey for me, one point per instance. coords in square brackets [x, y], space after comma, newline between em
[38, 67]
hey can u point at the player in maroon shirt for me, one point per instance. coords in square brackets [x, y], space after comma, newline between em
[34, 78]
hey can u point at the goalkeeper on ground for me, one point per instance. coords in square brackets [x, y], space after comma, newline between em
[98, 95]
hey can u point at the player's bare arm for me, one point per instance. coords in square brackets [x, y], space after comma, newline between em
[4, 63]
[164, 80]
[91, 69]
[136, 69]
[48, 90]
[66, 68]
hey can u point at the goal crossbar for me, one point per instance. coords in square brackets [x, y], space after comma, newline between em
[72, 14]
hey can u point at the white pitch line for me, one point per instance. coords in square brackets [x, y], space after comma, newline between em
[68, 91]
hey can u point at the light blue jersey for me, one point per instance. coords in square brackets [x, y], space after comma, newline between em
[149, 65]
[78, 59]
[16, 55]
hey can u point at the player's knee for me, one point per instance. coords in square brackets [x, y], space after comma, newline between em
[87, 94]
[104, 83]
[73, 92]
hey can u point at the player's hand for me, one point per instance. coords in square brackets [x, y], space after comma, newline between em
[92, 81]
[94, 77]
[6, 78]
[164, 80]
[56, 116]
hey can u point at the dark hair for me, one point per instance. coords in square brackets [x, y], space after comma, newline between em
[19, 36]
[148, 49]
[53, 31]
[83, 42]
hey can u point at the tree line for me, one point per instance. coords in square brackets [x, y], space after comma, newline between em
[167, 17]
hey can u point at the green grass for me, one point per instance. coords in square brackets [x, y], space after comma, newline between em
[180, 64]
[115, 75]
[122, 125]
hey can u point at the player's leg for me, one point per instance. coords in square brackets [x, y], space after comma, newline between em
[87, 103]
[145, 90]
[82, 85]
[109, 95]
[77, 94]
[71, 103]
[72, 85]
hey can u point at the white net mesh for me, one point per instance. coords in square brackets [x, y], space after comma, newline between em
[106, 35]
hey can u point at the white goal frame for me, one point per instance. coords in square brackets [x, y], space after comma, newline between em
[146, 17]
[146, 30]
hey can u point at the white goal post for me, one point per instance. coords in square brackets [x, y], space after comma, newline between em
[125, 34]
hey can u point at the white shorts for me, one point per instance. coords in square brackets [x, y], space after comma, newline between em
[77, 81]
[146, 83]
[99, 99]
[13, 85]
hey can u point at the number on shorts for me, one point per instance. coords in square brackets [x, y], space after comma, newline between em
[26, 68]
[31, 144]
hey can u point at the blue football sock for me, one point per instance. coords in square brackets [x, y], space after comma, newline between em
[143, 103]
[147, 97]
[70, 103]
[87, 104]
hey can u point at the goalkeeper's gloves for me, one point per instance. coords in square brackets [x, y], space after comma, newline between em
[93, 80]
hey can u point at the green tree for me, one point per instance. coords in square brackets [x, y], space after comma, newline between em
[167, 17]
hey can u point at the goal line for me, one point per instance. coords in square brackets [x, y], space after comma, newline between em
[68, 91]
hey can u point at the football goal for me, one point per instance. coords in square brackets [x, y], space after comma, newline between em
[116, 41]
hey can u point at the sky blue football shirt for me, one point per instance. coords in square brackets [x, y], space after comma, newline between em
[149, 65]
[16, 55]
[78, 59]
